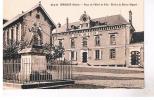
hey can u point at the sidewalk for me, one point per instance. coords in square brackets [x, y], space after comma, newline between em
[107, 67]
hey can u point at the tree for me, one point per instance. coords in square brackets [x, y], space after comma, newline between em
[12, 48]
[53, 52]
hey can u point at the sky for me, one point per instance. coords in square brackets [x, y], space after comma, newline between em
[59, 13]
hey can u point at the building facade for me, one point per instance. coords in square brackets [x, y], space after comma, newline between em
[104, 41]
[20, 28]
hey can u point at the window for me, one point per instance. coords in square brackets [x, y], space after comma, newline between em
[86, 24]
[7, 36]
[112, 53]
[97, 54]
[73, 55]
[72, 43]
[112, 39]
[17, 33]
[12, 36]
[97, 40]
[37, 16]
[84, 42]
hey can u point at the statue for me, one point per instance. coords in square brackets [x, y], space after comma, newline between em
[36, 40]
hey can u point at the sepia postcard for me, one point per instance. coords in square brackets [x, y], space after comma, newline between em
[73, 44]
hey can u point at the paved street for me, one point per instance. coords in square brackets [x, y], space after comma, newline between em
[103, 77]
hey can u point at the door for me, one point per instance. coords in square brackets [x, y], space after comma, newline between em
[135, 58]
[84, 57]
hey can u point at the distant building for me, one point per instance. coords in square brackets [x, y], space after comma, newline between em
[20, 27]
[104, 41]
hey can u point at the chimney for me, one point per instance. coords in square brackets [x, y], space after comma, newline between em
[130, 17]
[59, 25]
[67, 24]
[39, 2]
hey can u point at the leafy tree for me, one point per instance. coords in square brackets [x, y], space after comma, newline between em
[12, 48]
[53, 52]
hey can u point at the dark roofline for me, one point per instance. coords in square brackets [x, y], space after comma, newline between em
[137, 37]
[104, 26]
[100, 18]
[118, 19]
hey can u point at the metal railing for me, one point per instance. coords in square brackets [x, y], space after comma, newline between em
[24, 72]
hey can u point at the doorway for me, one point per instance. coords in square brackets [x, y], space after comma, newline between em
[84, 57]
[135, 58]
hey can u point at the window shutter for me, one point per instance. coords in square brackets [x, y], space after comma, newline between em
[69, 55]
[75, 55]
[100, 54]
[94, 54]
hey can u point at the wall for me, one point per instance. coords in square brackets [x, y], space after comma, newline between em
[104, 46]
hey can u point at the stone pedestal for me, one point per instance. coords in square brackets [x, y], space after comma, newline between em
[33, 61]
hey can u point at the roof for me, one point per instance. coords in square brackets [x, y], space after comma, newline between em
[21, 15]
[137, 37]
[109, 20]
